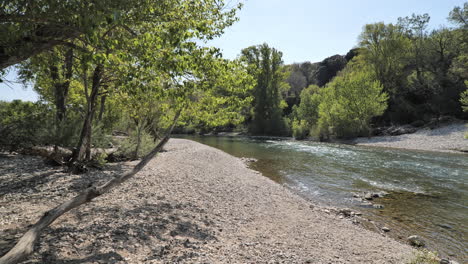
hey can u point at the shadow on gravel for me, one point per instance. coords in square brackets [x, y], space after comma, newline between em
[111, 257]
[26, 185]
[168, 231]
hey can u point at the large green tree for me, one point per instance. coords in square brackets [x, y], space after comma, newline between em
[349, 102]
[265, 65]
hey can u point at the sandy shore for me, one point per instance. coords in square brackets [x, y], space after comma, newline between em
[192, 204]
[448, 138]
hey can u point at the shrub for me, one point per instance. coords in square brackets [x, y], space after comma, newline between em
[300, 129]
[23, 124]
[424, 257]
[128, 145]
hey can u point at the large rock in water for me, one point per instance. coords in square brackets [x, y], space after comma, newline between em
[416, 241]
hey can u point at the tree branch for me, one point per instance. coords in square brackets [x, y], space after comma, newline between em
[25, 245]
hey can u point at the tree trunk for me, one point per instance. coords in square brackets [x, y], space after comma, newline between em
[138, 143]
[25, 245]
[83, 149]
[102, 107]
[61, 88]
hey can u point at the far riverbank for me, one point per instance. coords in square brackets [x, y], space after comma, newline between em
[448, 138]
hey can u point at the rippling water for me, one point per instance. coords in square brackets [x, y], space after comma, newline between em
[428, 191]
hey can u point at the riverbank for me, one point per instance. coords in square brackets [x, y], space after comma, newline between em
[448, 138]
[192, 204]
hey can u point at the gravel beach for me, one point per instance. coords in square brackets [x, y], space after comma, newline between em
[191, 204]
[449, 138]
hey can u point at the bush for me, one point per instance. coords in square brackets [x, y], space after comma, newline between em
[23, 124]
[424, 257]
[128, 145]
[300, 129]
[349, 102]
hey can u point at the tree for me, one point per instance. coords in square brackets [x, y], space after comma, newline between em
[459, 15]
[386, 49]
[120, 38]
[308, 108]
[349, 102]
[225, 98]
[306, 113]
[265, 65]
[31, 27]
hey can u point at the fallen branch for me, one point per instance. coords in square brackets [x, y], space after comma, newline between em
[25, 246]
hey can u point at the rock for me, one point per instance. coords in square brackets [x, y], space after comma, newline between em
[446, 119]
[445, 226]
[366, 204]
[446, 261]
[379, 131]
[385, 229]
[378, 206]
[382, 194]
[396, 131]
[416, 241]
[248, 160]
[368, 196]
[345, 212]
[418, 123]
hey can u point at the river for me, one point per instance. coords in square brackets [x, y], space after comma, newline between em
[428, 192]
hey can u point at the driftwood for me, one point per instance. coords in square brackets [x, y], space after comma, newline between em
[25, 246]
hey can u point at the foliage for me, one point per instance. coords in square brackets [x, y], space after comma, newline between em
[30, 27]
[349, 102]
[385, 48]
[464, 99]
[308, 108]
[223, 99]
[424, 256]
[23, 124]
[300, 129]
[128, 145]
[305, 115]
[131, 59]
[459, 15]
[422, 71]
[265, 65]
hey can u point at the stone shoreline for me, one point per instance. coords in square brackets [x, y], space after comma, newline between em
[192, 204]
[448, 138]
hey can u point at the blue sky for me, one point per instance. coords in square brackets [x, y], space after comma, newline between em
[304, 30]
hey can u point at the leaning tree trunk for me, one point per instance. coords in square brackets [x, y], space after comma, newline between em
[25, 246]
[83, 150]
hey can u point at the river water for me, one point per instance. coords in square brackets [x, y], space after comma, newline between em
[428, 192]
